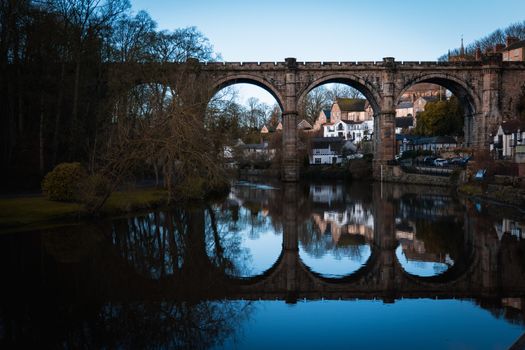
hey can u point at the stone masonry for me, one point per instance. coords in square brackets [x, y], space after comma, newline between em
[489, 91]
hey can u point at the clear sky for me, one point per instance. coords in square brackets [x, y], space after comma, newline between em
[335, 30]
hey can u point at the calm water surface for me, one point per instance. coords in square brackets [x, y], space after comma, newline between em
[314, 265]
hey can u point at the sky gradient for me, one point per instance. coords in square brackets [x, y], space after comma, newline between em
[335, 30]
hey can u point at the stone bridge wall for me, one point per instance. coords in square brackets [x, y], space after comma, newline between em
[489, 90]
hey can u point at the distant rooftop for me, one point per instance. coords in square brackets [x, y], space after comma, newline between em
[351, 104]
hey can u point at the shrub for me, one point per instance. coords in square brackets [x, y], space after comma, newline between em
[62, 183]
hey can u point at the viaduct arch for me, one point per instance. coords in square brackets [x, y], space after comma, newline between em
[489, 90]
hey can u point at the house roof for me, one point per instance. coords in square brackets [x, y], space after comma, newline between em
[351, 122]
[254, 146]
[303, 124]
[430, 98]
[435, 140]
[335, 143]
[512, 126]
[515, 45]
[351, 104]
[409, 137]
[404, 122]
[405, 104]
[327, 113]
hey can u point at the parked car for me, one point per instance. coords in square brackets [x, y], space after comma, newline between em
[456, 161]
[461, 161]
[440, 162]
[429, 160]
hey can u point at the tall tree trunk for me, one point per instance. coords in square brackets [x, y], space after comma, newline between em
[74, 113]
[58, 114]
[41, 134]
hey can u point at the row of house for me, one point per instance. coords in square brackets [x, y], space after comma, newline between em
[512, 51]
[435, 144]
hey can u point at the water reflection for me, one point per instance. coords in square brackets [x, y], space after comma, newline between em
[208, 275]
[336, 239]
[241, 237]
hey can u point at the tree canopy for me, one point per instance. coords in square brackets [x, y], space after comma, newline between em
[441, 118]
[53, 100]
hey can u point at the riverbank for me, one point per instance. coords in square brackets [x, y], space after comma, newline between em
[36, 212]
[496, 194]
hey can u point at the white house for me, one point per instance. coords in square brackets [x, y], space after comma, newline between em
[330, 150]
[258, 151]
[510, 134]
[350, 130]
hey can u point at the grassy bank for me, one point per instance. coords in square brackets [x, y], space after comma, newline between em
[26, 213]
[495, 193]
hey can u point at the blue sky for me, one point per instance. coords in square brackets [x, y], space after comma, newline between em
[335, 30]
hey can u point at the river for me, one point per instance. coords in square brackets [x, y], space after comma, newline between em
[309, 266]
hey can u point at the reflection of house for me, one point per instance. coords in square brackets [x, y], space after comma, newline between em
[414, 249]
[326, 193]
[352, 221]
[512, 227]
[330, 150]
[510, 133]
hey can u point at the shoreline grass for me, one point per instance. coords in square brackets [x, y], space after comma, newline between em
[33, 212]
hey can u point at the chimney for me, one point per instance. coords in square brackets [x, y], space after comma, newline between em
[478, 54]
[498, 47]
[509, 40]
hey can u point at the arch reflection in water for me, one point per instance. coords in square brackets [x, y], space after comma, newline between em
[428, 249]
[335, 241]
[242, 238]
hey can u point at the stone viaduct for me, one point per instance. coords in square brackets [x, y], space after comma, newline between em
[489, 91]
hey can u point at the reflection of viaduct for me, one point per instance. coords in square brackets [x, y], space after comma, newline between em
[489, 90]
[479, 274]
[486, 269]
[102, 267]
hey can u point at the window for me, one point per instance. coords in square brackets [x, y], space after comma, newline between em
[317, 161]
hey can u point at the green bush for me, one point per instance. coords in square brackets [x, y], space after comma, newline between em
[62, 183]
